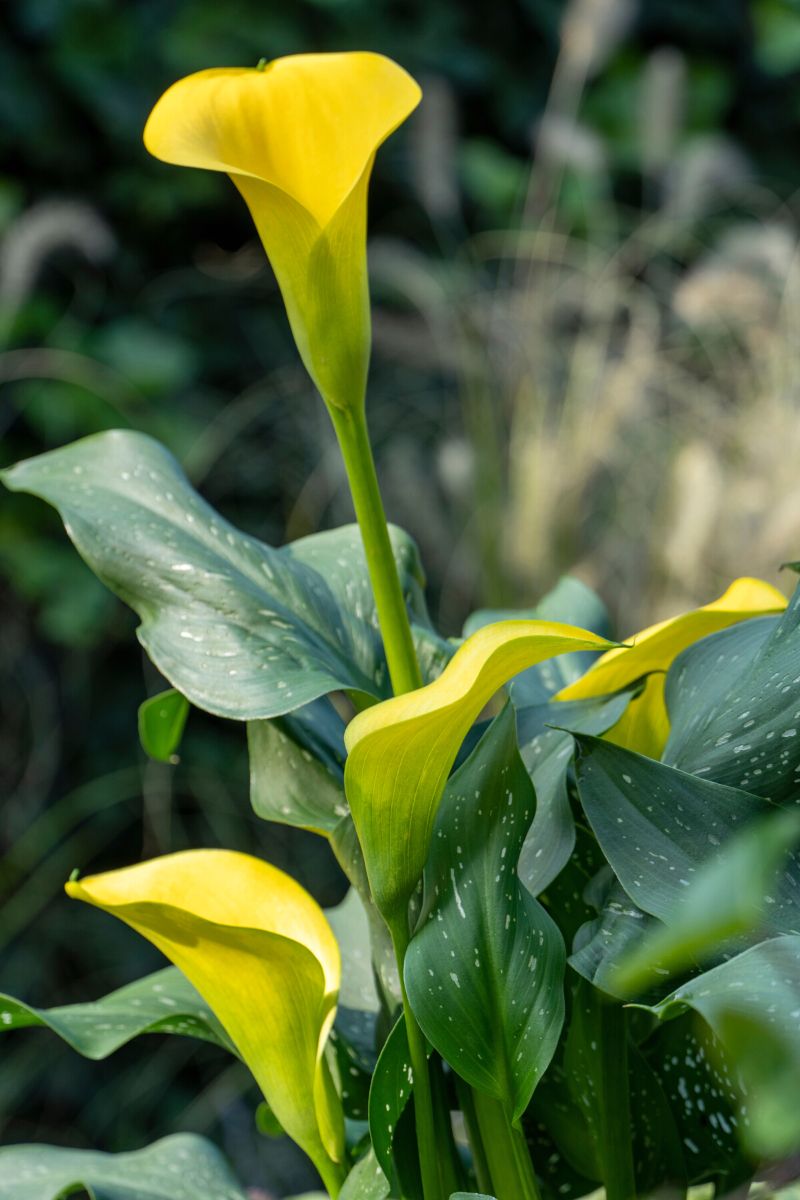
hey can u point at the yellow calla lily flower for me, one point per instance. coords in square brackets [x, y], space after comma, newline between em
[644, 727]
[298, 137]
[400, 752]
[259, 951]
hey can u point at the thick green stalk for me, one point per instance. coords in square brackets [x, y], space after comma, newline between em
[432, 1186]
[333, 1176]
[351, 430]
[480, 1163]
[613, 1116]
[509, 1162]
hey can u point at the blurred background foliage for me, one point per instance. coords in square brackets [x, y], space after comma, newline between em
[583, 254]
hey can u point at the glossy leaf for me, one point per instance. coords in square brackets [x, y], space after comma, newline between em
[604, 942]
[714, 912]
[366, 1181]
[735, 704]
[752, 1005]
[570, 602]
[161, 1003]
[240, 629]
[260, 952]
[645, 724]
[547, 754]
[181, 1167]
[162, 719]
[401, 751]
[658, 826]
[484, 971]
[297, 768]
[392, 1088]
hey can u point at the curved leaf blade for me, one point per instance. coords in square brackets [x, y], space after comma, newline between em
[740, 722]
[162, 719]
[164, 1002]
[241, 629]
[181, 1167]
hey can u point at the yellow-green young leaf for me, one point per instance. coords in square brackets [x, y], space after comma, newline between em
[401, 751]
[261, 954]
[298, 137]
[645, 725]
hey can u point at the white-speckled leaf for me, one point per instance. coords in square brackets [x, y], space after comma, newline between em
[241, 629]
[182, 1167]
[484, 972]
[297, 768]
[658, 827]
[547, 754]
[366, 1181]
[752, 1005]
[734, 706]
[164, 1002]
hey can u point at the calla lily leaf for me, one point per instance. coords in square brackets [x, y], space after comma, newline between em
[547, 754]
[259, 951]
[391, 1090]
[162, 719]
[366, 1181]
[161, 1003]
[603, 943]
[645, 724]
[298, 137]
[181, 1167]
[401, 751]
[240, 629]
[297, 768]
[752, 1005]
[739, 723]
[658, 827]
[714, 912]
[485, 969]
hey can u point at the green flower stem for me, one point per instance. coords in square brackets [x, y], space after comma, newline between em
[429, 1163]
[351, 430]
[613, 1115]
[333, 1176]
[510, 1165]
[480, 1163]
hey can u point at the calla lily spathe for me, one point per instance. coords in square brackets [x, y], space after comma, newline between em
[298, 137]
[645, 724]
[260, 952]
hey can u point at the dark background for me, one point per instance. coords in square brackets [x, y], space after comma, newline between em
[589, 366]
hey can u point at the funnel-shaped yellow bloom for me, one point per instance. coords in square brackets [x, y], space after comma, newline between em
[261, 954]
[401, 751]
[645, 725]
[298, 138]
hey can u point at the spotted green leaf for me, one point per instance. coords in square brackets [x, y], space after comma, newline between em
[484, 971]
[241, 629]
[162, 719]
[366, 1181]
[161, 1003]
[752, 1005]
[392, 1088]
[547, 754]
[713, 912]
[297, 768]
[181, 1167]
[401, 751]
[734, 705]
[658, 827]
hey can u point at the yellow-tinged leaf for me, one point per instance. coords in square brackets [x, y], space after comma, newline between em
[259, 951]
[400, 752]
[298, 137]
[644, 727]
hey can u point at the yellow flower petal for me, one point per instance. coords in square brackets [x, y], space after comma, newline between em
[401, 752]
[645, 724]
[259, 950]
[298, 138]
